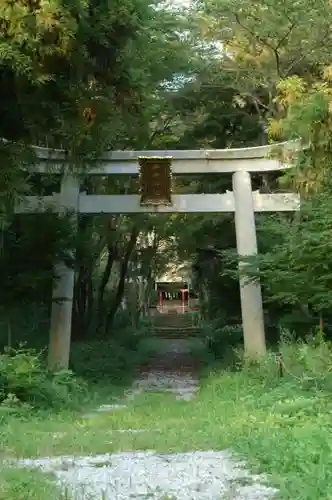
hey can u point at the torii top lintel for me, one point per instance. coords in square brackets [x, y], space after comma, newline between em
[254, 159]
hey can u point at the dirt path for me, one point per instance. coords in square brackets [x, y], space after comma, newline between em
[175, 355]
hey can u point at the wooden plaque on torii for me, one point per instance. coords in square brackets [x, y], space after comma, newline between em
[155, 178]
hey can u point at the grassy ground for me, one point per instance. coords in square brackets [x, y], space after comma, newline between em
[282, 427]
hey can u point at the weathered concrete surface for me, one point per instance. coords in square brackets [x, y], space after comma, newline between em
[246, 242]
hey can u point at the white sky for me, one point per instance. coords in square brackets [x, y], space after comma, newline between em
[178, 3]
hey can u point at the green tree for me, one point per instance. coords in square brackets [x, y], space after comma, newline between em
[263, 42]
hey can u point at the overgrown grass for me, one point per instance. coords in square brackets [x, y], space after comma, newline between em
[21, 484]
[282, 426]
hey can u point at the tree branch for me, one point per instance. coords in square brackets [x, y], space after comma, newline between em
[284, 38]
[261, 40]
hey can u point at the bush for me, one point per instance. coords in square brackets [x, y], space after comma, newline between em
[115, 359]
[221, 340]
[24, 380]
[307, 363]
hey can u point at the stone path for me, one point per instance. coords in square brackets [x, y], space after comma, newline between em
[150, 475]
[183, 385]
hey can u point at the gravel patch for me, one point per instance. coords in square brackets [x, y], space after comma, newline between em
[148, 475]
[183, 385]
[107, 408]
[104, 409]
[132, 431]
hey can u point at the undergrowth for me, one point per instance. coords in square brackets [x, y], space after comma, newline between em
[114, 360]
[25, 382]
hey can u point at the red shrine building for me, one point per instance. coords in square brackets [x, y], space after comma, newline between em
[174, 291]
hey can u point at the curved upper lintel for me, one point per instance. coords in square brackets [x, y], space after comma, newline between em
[207, 154]
[179, 154]
[253, 159]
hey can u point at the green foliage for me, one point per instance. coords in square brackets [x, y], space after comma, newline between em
[296, 268]
[25, 381]
[28, 273]
[306, 362]
[306, 117]
[268, 40]
[26, 484]
[210, 115]
[14, 159]
[83, 77]
[95, 360]
[222, 339]
[27, 325]
[114, 360]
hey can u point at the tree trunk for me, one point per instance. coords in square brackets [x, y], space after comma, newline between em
[122, 279]
[112, 253]
[150, 271]
[102, 287]
[83, 303]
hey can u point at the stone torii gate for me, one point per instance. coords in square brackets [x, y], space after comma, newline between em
[242, 201]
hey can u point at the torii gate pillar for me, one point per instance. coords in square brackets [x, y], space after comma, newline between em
[63, 291]
[246, 241]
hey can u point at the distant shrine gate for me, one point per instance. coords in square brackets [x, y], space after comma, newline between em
[155, 169]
